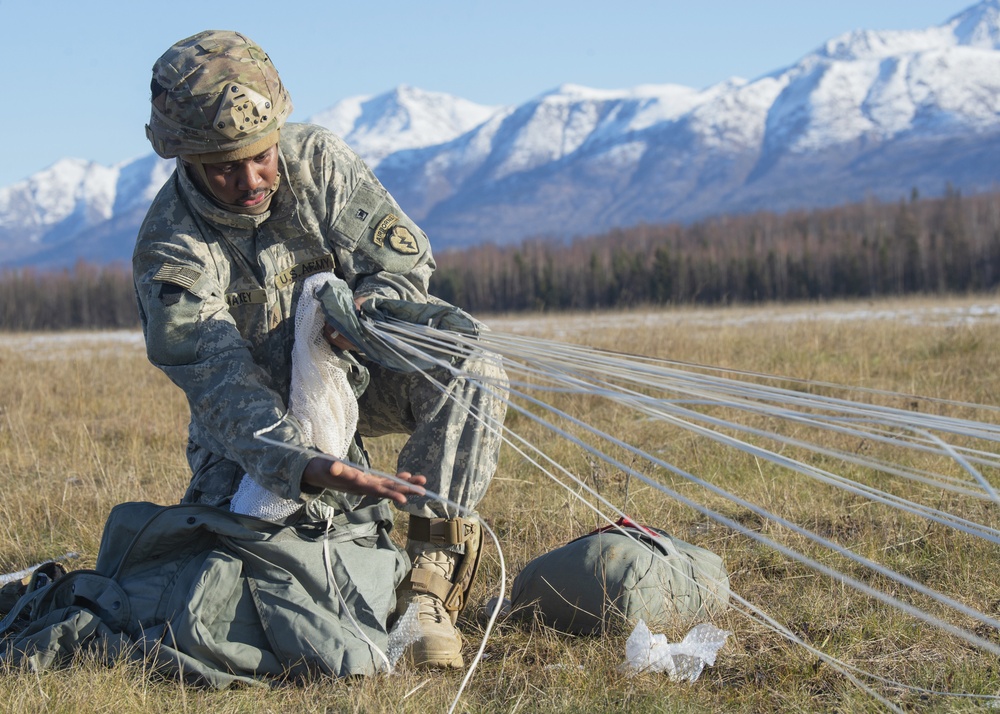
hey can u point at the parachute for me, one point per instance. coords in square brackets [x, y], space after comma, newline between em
[799, 437]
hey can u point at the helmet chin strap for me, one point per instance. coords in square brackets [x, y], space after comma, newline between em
[196, 164]
[196, 170]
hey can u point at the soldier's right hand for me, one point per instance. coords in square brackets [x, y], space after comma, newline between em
[324, 472]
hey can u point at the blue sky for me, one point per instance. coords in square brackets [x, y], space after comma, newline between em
[78, 73]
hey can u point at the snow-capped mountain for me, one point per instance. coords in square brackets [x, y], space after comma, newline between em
[870, 113]
[405, 118]
[81, 210]
[867, 114]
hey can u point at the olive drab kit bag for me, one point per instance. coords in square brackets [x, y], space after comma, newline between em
[218, 598]
[619, 575]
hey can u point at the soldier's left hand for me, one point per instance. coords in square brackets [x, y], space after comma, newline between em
[338, 340]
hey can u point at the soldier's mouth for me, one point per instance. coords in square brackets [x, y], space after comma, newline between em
[252, 198]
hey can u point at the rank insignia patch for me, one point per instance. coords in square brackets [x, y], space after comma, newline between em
[402, 241]
[383, 228]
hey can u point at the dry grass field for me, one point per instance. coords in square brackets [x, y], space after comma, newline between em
[86, 423]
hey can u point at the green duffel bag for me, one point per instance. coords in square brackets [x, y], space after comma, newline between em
[219, 598]
[619, 575]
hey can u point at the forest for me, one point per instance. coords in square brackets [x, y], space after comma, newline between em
[942, 245]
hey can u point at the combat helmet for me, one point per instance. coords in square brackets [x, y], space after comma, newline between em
[215, 93]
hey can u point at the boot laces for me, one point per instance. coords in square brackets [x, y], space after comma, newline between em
[430, 607]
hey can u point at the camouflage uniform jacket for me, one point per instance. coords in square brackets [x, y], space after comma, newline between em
[217, 292]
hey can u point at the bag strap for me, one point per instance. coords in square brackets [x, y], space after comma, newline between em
[654, 537]
[372, 513]
[39, 598]
[362, 521]
[24, 603]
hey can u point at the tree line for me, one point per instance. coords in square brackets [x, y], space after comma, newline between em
[84, 297]
[941, 245]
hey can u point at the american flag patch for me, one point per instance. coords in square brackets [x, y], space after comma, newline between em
[178, 275]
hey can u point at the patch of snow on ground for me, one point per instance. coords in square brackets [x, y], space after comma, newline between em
[72, 345]
[80, 345]
[942, 316]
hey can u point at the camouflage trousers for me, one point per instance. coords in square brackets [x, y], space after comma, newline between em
[454, 422]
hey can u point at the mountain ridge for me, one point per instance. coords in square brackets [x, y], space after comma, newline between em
[867, 114]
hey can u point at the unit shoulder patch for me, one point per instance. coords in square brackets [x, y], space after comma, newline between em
[403, 241]
[393, 242]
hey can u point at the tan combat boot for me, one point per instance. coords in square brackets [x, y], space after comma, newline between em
[439, 584]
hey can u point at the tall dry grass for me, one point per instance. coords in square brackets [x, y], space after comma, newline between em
[86, 423]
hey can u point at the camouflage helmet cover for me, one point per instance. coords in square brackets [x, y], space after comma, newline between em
[216, 91]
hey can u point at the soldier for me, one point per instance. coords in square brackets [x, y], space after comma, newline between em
[255, 205]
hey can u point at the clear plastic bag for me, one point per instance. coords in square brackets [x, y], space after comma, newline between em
[682, 661]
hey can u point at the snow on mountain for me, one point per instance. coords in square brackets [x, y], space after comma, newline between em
[869, 113]
[851, 120]
[732, 116]
[881, 84]
[978, 26]
[72, 195]
[404, 118]
[42, 214]
[67, 187]
[139, 180]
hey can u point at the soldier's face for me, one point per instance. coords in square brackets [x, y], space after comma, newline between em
[246, 182]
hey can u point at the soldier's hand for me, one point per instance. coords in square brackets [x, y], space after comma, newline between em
[324, 472]
[336, 339]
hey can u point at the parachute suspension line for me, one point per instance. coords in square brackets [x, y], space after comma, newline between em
[966, 465]
[331, 581]
[845, 484]
[560, 351]
[551, 362]
[840, 577]
[821, 475]
[556, 360]
[558, 355]
[649, 406]
[509, 437]
[838, 665]
[663, 404]
[752, 612]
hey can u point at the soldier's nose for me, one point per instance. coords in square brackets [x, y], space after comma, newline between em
[249, 179]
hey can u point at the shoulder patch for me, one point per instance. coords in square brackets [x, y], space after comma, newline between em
[402, 241]
[383, 228]
[373, 225]
[366, 202]
[181, 275]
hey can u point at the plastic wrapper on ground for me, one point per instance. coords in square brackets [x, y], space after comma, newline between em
[683, 661]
